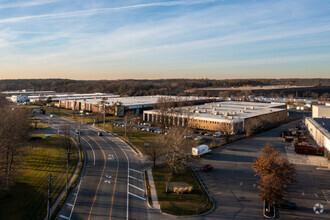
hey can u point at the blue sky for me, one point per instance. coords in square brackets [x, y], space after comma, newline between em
[117, 39]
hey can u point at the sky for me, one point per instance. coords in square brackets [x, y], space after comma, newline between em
[149, 39]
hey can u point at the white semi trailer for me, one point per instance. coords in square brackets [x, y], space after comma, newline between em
[200, 150]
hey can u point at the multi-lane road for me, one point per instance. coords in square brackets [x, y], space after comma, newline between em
[111, 185]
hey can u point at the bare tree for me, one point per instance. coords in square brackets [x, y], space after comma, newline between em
[177, 148]
[164, 103]
[226, 129]
[14, 133]
[156, 148]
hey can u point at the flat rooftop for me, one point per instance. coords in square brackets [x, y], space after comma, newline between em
[226, 111]
[138, 101]
[268, 87]
[323, 122]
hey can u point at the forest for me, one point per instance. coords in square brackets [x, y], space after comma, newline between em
[133, 87]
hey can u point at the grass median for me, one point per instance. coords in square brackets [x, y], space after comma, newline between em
[136, 137]
[28, 197]
[196, 202]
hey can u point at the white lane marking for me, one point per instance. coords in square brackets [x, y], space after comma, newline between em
[118, 168]
[107, 181]
[137, 187]
[127, 198]
[135, 178]
[90, 147]
[241, 183]
[315, 195]
[62, 216]
[69, 204]
[137, 196]
[107, 176]
[135, 170]
[303, 193]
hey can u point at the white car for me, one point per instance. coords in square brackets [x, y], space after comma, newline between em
[198, 138]
[217, 134]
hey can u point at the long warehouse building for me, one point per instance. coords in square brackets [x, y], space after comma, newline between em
[240, 116]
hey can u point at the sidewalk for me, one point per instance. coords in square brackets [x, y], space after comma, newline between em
[155, 203]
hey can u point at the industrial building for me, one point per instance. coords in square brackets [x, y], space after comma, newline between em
[319, 130]
[135, 104]
[321, 111]
[240, 116]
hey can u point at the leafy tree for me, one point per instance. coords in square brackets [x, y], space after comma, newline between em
[275, 173]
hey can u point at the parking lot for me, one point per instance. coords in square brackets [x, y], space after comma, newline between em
[232, 183]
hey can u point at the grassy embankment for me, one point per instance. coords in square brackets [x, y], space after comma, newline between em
[28, 198]
[180, 204]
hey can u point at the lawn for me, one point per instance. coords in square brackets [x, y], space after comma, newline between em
[137, 137]
[28, 197]
[58, 111]
[180, 204]
[90, 118]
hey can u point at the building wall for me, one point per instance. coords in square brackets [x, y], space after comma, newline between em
[321, 111]
[238, 126]
[261, 120]
[320, 137]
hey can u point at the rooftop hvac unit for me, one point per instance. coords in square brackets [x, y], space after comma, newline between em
[252, 107]
[218, 105]
[215, 113]
[244, 108]
[214, 109]
[230, 117]
[196, 107]
[225, 114]
[197, 112]
[204, 110]
[233, 113]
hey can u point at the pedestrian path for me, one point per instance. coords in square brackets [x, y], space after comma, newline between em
[155, 203]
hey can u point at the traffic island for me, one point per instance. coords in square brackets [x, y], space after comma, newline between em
[180, 194]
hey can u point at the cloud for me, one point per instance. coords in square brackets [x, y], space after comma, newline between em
[102, 10]
[22, 4]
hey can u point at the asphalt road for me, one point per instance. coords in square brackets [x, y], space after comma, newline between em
[111, 185]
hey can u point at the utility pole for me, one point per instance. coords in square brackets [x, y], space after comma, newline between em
[67, 171]
[125, 126]
[51, 178]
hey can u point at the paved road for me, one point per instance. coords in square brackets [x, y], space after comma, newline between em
[111, 186]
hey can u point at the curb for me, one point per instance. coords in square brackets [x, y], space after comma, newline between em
[75, 173]
[134, 149]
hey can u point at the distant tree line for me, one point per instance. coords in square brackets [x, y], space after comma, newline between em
[145, 87]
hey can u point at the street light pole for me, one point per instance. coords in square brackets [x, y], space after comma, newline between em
[49, 201]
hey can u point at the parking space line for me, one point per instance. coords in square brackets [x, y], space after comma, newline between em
[69, 204]
[137, 187]
[136, 178]
[144, 199]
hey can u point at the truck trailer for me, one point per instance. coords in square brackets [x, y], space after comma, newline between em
[200, 150]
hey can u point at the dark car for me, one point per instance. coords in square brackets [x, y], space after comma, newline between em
[207, 167]
[288, 205]
[99, 134]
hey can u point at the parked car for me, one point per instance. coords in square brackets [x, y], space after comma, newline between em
[188, 137]
[207, 167]
[198, 138]
[217, 134]
[207, 134]
[288, 205]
